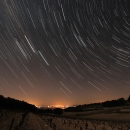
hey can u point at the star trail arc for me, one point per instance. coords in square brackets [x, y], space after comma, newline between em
[64, 47]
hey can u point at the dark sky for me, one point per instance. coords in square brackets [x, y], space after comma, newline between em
[64, 52]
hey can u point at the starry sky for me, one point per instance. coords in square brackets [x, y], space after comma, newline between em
[65, 52]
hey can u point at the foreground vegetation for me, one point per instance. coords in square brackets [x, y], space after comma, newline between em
[72, 123]
[109, 115]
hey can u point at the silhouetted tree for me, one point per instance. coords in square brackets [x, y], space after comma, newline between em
[13, 104]
[58, 111]
[114, 103]
[121, 102]
[128, 99]
[48, 111]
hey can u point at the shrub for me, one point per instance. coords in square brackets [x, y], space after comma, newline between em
[58, 111]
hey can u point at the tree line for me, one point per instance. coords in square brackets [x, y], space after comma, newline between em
[94, 106]
[16, 105]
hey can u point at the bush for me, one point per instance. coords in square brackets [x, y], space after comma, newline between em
[58, 111]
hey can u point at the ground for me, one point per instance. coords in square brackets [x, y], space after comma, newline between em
[106, 119]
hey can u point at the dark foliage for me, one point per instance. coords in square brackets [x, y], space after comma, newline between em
[115, 103]
[44, 111]
[58, 111]
[74, 109]
[97, 106]
[48, 111]
[13, 104]
[128, 99]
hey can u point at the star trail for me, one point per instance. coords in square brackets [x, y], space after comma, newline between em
[64, 51]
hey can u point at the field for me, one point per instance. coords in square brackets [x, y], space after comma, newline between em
[21, 121]
[106, 119]
[114, 114]
[58, 123]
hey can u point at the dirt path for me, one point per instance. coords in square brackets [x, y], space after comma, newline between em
[33, 122]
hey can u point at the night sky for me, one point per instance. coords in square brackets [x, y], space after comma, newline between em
[64, 52]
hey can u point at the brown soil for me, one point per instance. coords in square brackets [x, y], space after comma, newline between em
[34, 122]
[16, 121]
